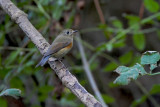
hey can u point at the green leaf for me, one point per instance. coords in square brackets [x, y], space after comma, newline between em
[17, 82]
[57, 13]
[104, 46]
[42, 10]
[58, 9]
[113, 85]
[128, 73]
[153, 66]
[41, 22]
[151, 5]
[24, 66]
[158, 34]
[94, 65]
[12, 57]
[61, 2]
[139, 101]
[119, 43]
[133, 20]
[117, 23]
[139, 41]
[102, 26]
[110, 67]
[0, 61]
[3, 102]
[122, 69]
[135, 59]
[109, 47]
[140, 69]
[126, 58]
[155, 89]
[101, 47]
[44, 2]
[44, 90]
[2, 38]
[108, 99]
[70, 21]
[150, 57]
[11, 92]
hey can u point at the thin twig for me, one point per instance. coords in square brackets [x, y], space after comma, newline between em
[115, 30]
[17, 48]
[63, 73]
[126, 31]
[147, 93]
[99, 10]
[88, 72]
[141, 11]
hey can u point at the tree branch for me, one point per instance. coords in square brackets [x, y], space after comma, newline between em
[63, 73]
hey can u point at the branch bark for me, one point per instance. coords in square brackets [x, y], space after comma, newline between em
[63, 73]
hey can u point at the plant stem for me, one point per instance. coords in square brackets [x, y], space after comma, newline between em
[147, 93]
[88, 72]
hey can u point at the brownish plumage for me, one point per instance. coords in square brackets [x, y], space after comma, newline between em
[60, 46]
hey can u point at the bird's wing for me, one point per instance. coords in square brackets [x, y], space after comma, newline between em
[56, 47]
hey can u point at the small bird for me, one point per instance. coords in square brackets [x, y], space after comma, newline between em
[60, 46]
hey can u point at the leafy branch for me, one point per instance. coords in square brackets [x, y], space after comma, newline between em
[126, 74]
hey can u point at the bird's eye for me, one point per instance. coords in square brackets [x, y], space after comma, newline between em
[67, 32]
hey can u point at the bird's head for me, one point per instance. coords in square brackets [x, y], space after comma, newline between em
[69, 32]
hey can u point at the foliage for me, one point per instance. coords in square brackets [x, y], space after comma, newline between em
[153, 91]
[151, 5]
[18, 56]
[127, 73]
[11, 92]
[124, 37]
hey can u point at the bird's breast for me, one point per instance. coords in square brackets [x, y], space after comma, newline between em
[62, 52]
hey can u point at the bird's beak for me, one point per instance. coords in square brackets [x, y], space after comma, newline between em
[75, 31]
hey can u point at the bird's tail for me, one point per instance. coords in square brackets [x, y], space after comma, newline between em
[43, 61]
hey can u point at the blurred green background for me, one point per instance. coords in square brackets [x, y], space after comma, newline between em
[118, 36]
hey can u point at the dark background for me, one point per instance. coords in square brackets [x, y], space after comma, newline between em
[41, 87]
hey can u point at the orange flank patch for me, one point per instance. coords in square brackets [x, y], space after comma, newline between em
[69, 46]
[62, 52]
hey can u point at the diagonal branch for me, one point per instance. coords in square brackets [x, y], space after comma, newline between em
[63, 73]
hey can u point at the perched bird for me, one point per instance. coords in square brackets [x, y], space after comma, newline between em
[60, 46]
